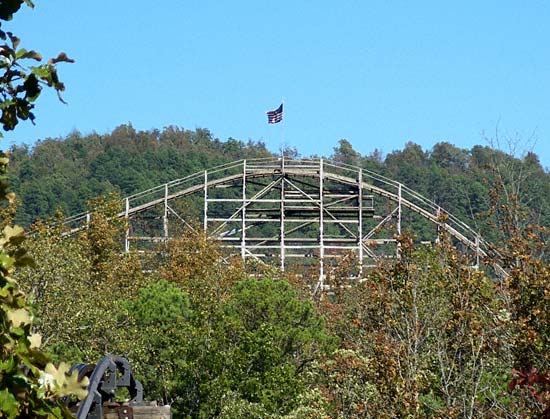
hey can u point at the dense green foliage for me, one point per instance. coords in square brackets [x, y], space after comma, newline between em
[65, 173]
[82, 271]
[30, 386]
[24, 389]
[20, 82]
[200, 334]
[425, 336]
[461, 180]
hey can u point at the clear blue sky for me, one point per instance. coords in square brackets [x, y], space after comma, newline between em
[378, 73]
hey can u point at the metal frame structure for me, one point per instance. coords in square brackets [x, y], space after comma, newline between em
[281, 210]
[110, 373]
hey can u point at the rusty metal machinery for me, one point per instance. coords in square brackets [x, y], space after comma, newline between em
[306, 212]
[106, 377]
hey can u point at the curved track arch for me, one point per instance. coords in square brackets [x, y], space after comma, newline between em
[277, 209]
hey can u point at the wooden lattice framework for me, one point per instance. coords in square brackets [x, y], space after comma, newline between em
[289, 212]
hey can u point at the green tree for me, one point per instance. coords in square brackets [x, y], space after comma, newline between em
[29, 385]
[92, 272]
[345, 153]
[524, 254]
[427, 338]
[273, 337]
[66, 172]
[160, 323]
[20, 84]
[211, 342]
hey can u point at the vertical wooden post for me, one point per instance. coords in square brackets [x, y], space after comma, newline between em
[127, 232]
[477, 251]
[360, 220]
[282, 219]
[438, 228]
[399, 219]
[165, 217]
[205, 215]
[243, 215]
[321, 226]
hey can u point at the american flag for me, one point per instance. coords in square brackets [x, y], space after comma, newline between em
[275, 116]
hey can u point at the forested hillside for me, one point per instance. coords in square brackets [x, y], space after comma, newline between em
[460, 180]
[423, 336]
[65, 173]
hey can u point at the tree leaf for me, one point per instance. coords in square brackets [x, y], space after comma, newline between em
[8, 403]
[61, 57]
[62, 384]
[33, 55]
[13, 231]
[35, 340]
[19, 317]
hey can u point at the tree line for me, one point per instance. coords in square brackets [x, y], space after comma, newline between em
[65, 173]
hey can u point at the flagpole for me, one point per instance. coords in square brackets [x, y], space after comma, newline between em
[283, 129]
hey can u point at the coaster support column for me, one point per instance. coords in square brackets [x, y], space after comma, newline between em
[205, 226]
[360, 220]
[399, 219]
[243, 214]
[165, 217]
[321, 226]
[127, 232]
[282, 219]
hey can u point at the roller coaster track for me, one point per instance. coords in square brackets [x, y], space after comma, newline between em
[278, 210]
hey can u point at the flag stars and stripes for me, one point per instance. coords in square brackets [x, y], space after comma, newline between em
[275, 116]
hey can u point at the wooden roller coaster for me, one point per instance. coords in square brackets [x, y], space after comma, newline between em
[284, 211]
